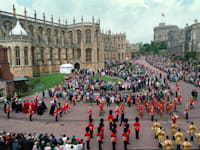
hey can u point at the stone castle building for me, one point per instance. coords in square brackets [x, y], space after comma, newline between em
[161, 32]
[37, 47]
[115, 46]
[180, 41]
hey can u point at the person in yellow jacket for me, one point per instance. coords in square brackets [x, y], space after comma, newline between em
[179, 139]
[192, 129]
[156, 126]
[173, 130]
[186, 145]
[167, 145]
[198, 139]
[161, 134]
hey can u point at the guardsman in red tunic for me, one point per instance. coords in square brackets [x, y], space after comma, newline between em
[66, 107]
[59, 109]
[175, 104]
[152, 111]
[122, 107]
[191, 103]
[102, 126]
[174, 118]
[91, 126]
[167, 107]
[128, 131]
[179, 98]
[137, 127]
[8, 111]
[141, 111]
[171, 109]
[129, 101]
[186, 112]
[125, 138]
[99, 137]
[113, 136]
[56, 112]
[90, 112]
[30, 113]
[87, 137]
[117, 113]
[110, 118]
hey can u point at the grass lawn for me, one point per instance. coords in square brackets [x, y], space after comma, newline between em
[108, 79]
[38, 84]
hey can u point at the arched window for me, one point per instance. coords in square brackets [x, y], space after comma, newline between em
[25, 56]
[79, 36]
[49, 35]
[88, 36]
[70, 36]
[51, 53]
[42, 55]
[33, 55]
[56, 36]
[40, 30]
[88, 55]
[79, 53]
[17, 55]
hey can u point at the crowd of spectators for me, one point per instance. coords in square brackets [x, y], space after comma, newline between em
[31, 141]
[176, 69]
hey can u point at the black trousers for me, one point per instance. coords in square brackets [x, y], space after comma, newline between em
[178, 146]
[88, 145]
[91, 132]
[152, 117]
[30, 117]
[56, 118]
[122, 120]
[137, 134]
[113, 145]
[100, 142]
[129, 104]
[110, 125]
[117, 117]
[186, 116]
[125, 145]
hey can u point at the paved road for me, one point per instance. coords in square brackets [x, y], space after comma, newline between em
[75, 122]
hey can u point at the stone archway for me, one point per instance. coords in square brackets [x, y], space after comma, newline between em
[77, 66]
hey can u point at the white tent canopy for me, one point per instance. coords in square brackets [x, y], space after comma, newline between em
[66, 68]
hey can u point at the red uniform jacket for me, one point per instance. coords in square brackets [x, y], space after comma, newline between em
[137, 126]
[91, 125]
[110, 118]
[113, 137]
[99, 136]
[87, 136]
[125, 137]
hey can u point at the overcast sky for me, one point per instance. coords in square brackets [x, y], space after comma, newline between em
[135, 17]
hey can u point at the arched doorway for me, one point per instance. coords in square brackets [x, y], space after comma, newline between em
[77, 66]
